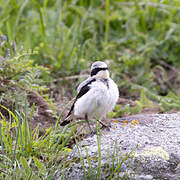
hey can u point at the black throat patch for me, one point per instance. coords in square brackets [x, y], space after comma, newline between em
[96, 70]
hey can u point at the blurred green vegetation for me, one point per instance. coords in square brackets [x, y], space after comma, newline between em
[69, 35]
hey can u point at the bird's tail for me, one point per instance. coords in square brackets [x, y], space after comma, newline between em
[66, 121]
[68, 117]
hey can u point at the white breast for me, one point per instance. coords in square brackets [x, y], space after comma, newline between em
[113, 95]
[98, 101]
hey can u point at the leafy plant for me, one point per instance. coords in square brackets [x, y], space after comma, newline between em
[69, 35]
[19, 75]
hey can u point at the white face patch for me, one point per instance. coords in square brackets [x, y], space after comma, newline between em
[104, 74]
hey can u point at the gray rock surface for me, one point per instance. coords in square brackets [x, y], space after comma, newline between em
[154, 139]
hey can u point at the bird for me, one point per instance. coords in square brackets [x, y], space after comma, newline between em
[96, 96]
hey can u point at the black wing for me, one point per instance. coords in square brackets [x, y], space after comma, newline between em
[82, 91]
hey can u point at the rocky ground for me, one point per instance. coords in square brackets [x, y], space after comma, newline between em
[154, 139]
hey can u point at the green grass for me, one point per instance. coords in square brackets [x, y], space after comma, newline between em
[25, 154]
[65, 32]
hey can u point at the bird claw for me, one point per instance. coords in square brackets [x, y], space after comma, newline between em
[107, 127]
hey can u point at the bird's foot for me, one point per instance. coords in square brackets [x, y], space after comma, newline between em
[105, 127]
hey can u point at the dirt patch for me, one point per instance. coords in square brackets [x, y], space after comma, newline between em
[43, 115]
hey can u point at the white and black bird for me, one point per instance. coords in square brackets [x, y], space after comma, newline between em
[97, 95]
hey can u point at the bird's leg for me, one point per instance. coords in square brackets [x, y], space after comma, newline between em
[104, 126]
[86, 118]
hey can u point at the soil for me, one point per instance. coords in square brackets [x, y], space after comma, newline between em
[43, 116]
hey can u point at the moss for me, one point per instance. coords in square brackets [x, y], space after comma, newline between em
[154, 151]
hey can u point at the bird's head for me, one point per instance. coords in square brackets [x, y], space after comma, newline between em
[99, 69]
